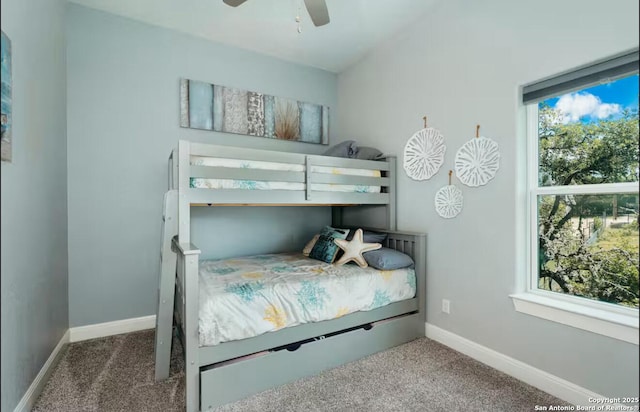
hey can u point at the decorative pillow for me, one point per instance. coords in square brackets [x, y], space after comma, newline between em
[354, 248]
[345, 149]
[307, 249]
[369, 237]
[374, 237]
[388, 259]
[368, 153]
[324, 248]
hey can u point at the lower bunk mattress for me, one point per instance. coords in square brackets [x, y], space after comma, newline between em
[248, 296]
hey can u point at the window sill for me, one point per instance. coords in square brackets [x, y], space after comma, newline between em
[608, 323]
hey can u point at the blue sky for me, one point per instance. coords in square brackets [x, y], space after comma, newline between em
[598, 102]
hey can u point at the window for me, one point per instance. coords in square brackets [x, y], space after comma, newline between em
[583, 198]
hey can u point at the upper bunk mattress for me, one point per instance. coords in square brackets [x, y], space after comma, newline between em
[248, 296]
[203, 183]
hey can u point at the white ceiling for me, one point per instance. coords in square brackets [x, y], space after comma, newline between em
[269, 27]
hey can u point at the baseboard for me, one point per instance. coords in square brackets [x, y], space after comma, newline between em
[31, 395]
[540, 379]
[100, 330]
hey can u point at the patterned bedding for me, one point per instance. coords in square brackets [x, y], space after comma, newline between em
[202, 183]
[245, 297]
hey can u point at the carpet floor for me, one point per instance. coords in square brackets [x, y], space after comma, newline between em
[117, 374]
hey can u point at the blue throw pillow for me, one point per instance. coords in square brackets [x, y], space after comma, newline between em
[369, 153]
[347, 149]
[325, 248]
[370, 237]
[387, 259]
[373, 237]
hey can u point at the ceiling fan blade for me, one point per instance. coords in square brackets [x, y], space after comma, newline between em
[233, 3]
[318, 11]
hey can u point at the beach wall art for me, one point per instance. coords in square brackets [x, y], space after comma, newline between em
[5, 115]
[225, 109]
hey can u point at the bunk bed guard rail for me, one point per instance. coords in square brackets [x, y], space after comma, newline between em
[315, 175]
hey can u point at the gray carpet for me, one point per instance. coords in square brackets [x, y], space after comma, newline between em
[116, 374]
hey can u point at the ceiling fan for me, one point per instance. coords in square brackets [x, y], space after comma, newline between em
[317, 10]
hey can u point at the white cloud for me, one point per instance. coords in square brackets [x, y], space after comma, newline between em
[575, 106]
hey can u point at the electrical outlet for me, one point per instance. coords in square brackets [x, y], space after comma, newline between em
[445, 305]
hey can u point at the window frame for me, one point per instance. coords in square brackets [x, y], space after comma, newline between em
[603, 318]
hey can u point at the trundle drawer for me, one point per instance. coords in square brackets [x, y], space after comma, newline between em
[236, 380]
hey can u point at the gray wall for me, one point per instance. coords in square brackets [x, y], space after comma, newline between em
[461, 65]
[242, 231]
[123, 112]
[34, 201]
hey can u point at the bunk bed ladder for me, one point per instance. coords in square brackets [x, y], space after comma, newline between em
[166, 286]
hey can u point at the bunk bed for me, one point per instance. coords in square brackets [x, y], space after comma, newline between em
[210, 176]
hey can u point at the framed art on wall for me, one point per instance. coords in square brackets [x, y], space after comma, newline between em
[207, 106]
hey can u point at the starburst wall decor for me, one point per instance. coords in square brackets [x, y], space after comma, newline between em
[477, 161]
[424, 154]
[449, 200]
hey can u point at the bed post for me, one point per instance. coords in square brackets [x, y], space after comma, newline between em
[391, 207]
[188, 266]
[421, 280]
[184, 224]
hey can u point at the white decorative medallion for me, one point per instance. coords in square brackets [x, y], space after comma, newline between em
[448, 201]
[477, 161]
[424, 154]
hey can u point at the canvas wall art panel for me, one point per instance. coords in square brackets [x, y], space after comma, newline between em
[5, 115]
[225, 109]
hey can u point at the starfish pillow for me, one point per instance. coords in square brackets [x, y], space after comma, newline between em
[354, 249]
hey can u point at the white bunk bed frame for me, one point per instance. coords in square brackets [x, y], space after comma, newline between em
[214, 374]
